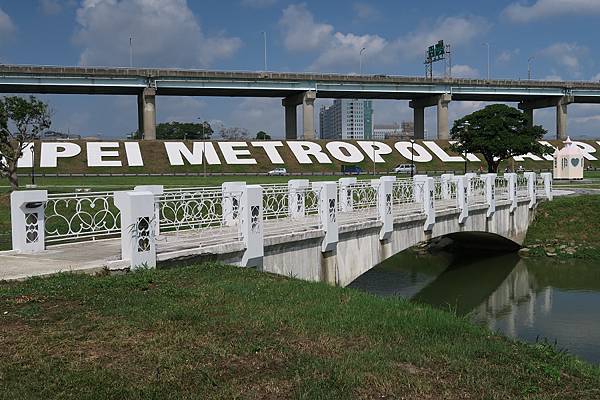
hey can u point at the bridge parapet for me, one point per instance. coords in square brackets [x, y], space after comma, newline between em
[240, 216]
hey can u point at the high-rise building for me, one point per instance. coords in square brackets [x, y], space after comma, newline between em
[347, 119]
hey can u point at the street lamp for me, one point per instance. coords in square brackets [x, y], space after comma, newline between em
[32, 164]
[360, 59]
[529, 67]
[488, 59]
[412, 157]
[265, 47]
[466, 126]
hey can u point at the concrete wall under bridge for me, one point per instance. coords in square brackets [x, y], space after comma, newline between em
[359, 248]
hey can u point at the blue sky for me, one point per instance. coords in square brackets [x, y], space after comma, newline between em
[302, 36]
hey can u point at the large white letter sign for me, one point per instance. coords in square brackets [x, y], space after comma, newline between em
[231, 154]
[52, 151]
[406, 150]
[26, 159]
[96, 153]
[374, 150]
[440, 153]
[350, 153]
[271, 149]
[302, 150]
[177, 151]
[587, 150]
[134, 155]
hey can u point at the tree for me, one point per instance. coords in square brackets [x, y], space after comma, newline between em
[21, 121]
[498, 132]
[179, 130]
[262, 135]
[233, 133]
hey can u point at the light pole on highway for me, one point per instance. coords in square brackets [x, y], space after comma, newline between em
[265, 48]
[360, 54]
[529, 67]
[488, 59]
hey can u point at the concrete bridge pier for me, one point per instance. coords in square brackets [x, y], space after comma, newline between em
[307, 99]
[147, 113]
[441, 102]
[560, 103]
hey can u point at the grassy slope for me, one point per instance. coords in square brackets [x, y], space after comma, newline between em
[156, 161]
[221, 332]
[572, 223]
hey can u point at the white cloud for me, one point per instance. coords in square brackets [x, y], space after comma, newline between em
[567, 55]
[552, 77]
[6, 25]
[258, 3]
[596, 77]
[519, 12]
[302, 33]
[506, 56]
[341, 50]
[258, 114]
[464, 71]
[165, 33]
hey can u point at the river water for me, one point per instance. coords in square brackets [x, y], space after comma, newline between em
[529, 299]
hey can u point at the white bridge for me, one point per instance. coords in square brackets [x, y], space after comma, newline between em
[320, 231]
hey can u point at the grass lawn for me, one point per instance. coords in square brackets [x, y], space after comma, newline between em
[214, 331]
[566, 227]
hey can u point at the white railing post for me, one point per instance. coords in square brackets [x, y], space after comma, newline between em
[138, 242]
[427, 197]
[156, 190]
[418, 188]
[346, 200]
[531, 186]
[28, 220]
[328, 213]
[296, 197]
[462, 195]
[384, 206]
[231, 204]
[446, 179]
[490, 192]
[252, 225]
[469, 176]
[511, 179]
[547, 176]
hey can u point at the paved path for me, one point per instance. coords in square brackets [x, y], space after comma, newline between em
[84, 257]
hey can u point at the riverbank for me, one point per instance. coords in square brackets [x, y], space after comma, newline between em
[215, 331]
[566, 227]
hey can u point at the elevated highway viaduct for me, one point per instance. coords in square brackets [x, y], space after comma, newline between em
[297, 89]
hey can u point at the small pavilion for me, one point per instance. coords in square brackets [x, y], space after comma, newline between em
[568, 161]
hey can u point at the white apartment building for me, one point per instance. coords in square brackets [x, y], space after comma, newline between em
[347, 119]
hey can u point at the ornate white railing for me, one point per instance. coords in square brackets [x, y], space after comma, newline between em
[286, 210]
[360, 203]
[501, 188]
[405, 197]
[444, 194]
[522, 187]
[81, 216]
[476, 190]
[185, 213]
